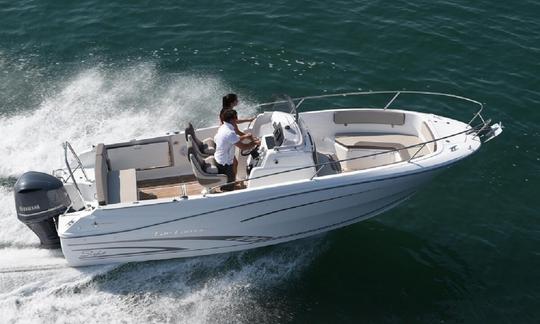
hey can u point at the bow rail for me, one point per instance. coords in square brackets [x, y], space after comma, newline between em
[393, 93]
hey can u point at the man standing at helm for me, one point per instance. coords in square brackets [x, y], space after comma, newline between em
[226, 140]
[230, 101]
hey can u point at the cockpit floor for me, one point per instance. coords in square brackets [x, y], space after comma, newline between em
[168, 187]
[172, 187]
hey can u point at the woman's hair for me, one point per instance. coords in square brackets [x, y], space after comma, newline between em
[229, 99]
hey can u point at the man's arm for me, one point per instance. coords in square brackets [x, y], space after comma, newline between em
[237, 131]
[244, 146]
[240, 121]
[247, 136]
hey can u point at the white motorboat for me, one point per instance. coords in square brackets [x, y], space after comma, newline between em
[160, 197]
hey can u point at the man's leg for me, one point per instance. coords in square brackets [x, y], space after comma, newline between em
[227, 169]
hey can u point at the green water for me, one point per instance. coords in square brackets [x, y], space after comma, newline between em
[466, 249]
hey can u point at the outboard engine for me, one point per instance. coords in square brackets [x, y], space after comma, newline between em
[40, 198]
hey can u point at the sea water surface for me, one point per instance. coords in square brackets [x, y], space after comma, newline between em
[465, 249]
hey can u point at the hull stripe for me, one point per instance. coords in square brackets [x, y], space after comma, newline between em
[374, 212]
[306, 204]
[243, 238]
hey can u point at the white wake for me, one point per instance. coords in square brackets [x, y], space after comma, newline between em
[100, 105]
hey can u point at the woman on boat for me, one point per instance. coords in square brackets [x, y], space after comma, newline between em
[230, 101]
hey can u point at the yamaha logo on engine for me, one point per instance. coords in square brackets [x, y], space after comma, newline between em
[29, 208]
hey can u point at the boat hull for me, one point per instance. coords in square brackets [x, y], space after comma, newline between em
[266, 216]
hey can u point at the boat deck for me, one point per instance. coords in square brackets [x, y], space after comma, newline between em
[172, 187]
[168, 187]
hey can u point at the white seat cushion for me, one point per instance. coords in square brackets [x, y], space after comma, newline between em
[209, 146]
[384, 141]
[369, 117]
[210, 165]
[122, 186]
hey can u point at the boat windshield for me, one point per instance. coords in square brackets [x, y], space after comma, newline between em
[285, 103]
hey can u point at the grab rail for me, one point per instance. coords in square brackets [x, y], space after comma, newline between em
[79, 165]
[394, 93]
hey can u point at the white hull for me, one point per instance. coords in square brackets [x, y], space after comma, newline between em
[189, 228]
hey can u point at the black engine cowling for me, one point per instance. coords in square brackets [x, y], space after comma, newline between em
[40, 198]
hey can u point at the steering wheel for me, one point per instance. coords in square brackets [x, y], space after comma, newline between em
[247, 152]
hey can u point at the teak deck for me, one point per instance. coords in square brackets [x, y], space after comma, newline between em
[172, 187]
[168, 187]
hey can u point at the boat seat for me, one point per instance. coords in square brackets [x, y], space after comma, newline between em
[122, 186]
[386, 117]
[195, 147]
[350, 146]
[205, 171]
[207, 146]
[384, 142]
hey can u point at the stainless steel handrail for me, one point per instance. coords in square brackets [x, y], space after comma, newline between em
[394, 93]
[67, 146]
